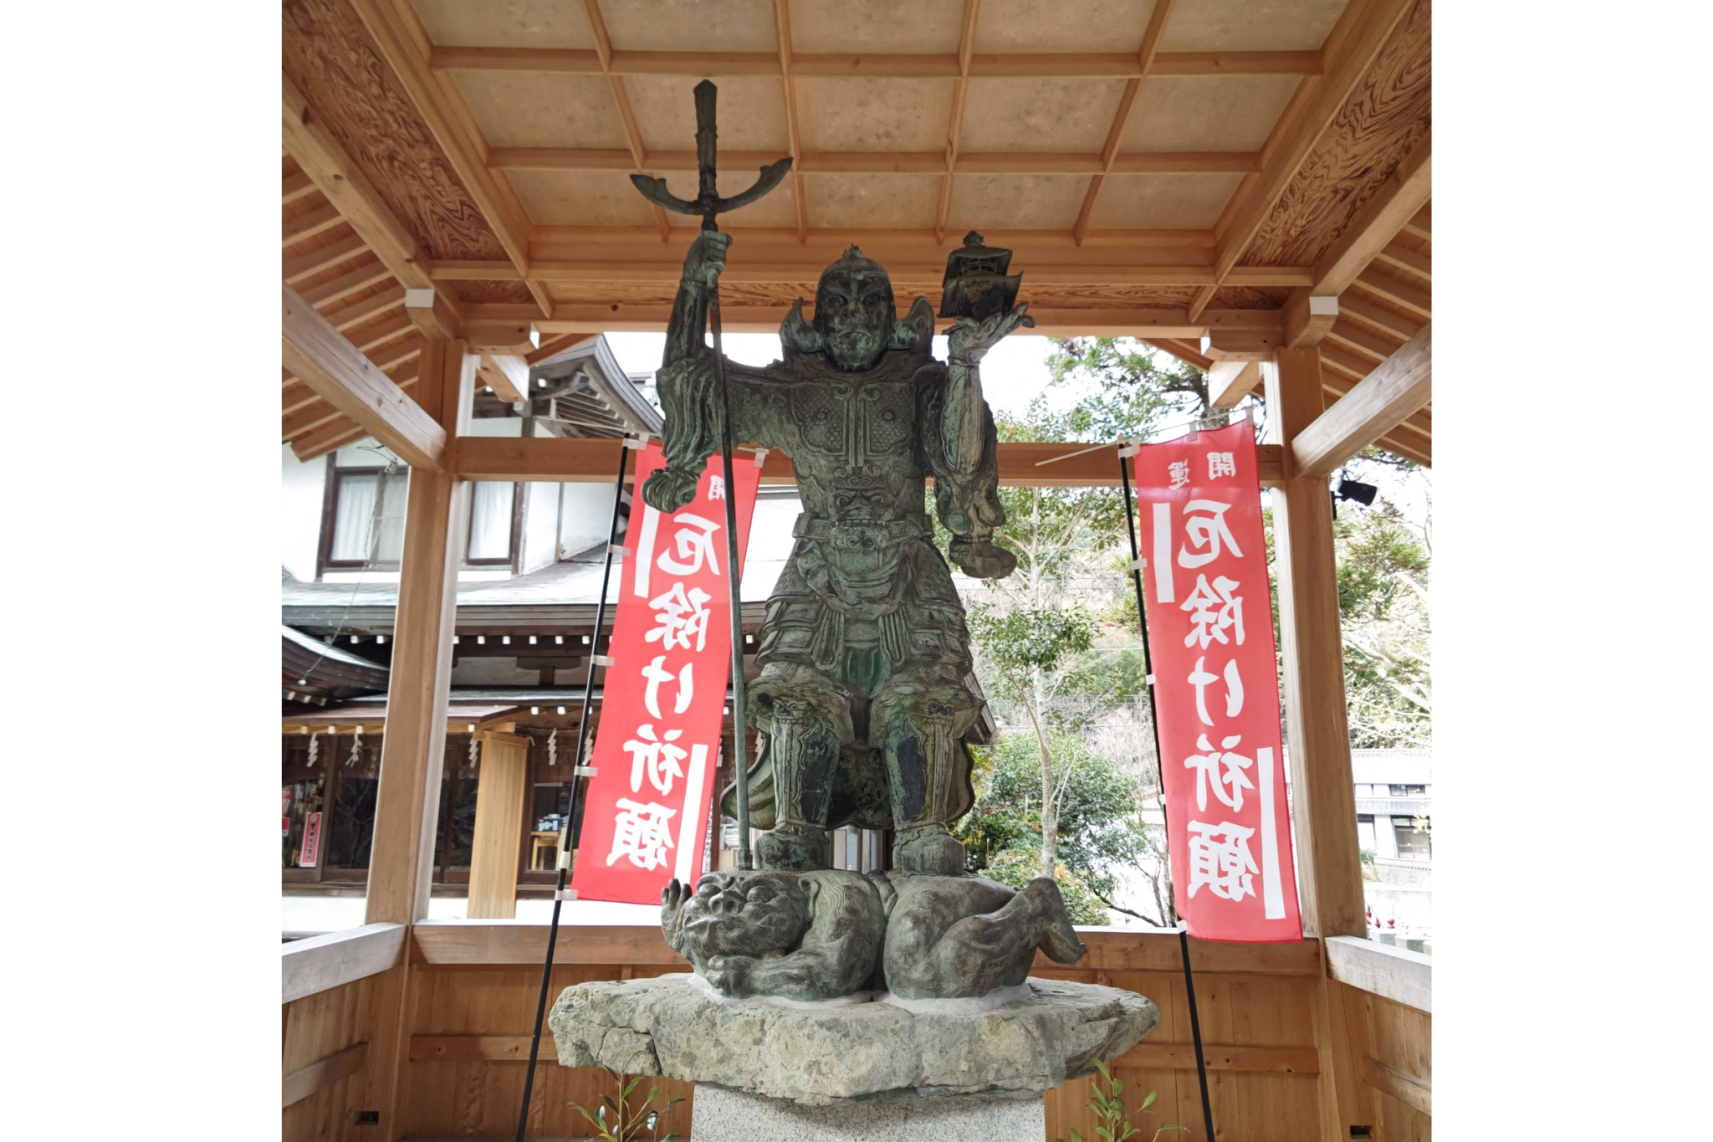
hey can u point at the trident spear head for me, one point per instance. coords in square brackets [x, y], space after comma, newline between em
[708, 202]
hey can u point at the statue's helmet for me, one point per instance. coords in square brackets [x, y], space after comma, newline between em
[854, 310]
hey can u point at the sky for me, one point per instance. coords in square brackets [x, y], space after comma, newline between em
[1014, 373]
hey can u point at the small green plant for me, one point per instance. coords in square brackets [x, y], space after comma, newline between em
[1109, 1111]
[618, 1121]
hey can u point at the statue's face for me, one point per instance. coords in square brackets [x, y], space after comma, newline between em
[854, 313]
[745, 913]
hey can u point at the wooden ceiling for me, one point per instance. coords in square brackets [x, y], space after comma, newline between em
[1166, 169]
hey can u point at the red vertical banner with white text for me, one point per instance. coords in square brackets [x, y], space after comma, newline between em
[1216, 686]
[645, 820]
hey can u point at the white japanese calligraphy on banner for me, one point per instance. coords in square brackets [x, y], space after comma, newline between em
[662, 699]
[1216, 687]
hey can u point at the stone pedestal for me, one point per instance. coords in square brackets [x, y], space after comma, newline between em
[771, 1063]
[722, 1115]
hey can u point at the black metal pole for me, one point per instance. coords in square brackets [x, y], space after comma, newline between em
[734, 573]
[566, 837]
[1160, 763]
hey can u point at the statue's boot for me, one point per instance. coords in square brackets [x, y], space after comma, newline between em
[919, 766]
[805, 754]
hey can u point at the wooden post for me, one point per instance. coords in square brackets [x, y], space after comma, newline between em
[414, 745]
[1323, 794]
[500, 794]
[415, 732]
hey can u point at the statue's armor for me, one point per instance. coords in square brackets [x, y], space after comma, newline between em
[886, 596]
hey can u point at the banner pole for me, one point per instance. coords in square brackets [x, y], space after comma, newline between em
[1160, 763]
[566, 835]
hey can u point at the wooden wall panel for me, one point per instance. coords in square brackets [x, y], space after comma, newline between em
[499, 826]
[1401, 1047]
[465, 1012]
[314, 1028]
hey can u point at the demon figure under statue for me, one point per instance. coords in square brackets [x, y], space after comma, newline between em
[864, 653]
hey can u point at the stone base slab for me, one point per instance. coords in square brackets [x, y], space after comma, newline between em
[721, 1115]
[864, 1052]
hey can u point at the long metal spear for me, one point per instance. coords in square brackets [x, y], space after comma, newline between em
[710, 206]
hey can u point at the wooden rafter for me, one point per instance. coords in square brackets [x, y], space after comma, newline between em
[621, 100]
[1183, 351]
[1375, 226]
[405, 47]
[788, 88]
[1126, 104]
[1351, 48]
[1399, 325]
[1009, 65]
[314, 261]
[954, 128]
[807, 267]
[1113, 321]
[332, 366]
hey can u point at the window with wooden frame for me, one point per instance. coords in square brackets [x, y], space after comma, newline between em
[363, 520]
[496, 521]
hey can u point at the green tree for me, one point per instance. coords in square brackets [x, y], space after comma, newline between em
[1100, 830]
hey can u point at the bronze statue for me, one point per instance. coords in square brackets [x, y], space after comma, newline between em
[864, 652]
[810, 936]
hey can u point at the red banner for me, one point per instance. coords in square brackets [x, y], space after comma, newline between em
[663, 698]
[1216, 686]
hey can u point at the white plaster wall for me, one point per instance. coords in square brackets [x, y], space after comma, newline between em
[540, 526]
[585, 515]
[302, 488]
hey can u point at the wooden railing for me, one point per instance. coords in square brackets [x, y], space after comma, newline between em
[468, 993]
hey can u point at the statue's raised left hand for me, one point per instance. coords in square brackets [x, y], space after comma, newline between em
[969, 339]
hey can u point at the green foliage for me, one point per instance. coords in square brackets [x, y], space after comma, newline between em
[1114, 1122]
[619, 1121]
[1100, 830]
[1017, 867]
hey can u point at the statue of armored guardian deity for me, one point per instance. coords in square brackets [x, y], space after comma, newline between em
[864, 655]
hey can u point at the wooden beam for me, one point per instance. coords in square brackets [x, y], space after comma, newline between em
[1398, 974]
[1405, 191]
[1241, 344]
[1404, 258]
[328, 363]
[1372, 22]
[343, 286]
[1391, 393]
[301, 227]
[399, 36]
[955, 120]
[1049, 320]
[1121, 118]
[912, 65]
[805, 269]
[322, 963]
[349, 189]
[413, 745]
[793, 139]
[507, 374]
[621, 100]
[1033, 464]
[1183, 351]
[1308, 317]
[1228, 382]
[1408, 1089]
[323, 1073]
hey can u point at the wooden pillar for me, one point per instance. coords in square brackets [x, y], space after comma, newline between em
[408, 797]
[414, 745]
[500, 792]
[1329, 863]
